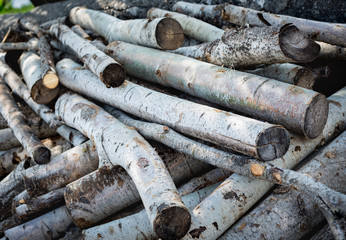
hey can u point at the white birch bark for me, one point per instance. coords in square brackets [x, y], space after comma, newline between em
[332, 52]
[32, 44]
[230, 130]
[110, 72]
[118, 144]
[333, 33]
[197, 29]
[298, 109]
[17, 122]
[162, 33]
[17, 86]
[62, 170]
[102, 193]
[294, 214]
[30, 64]
[288, 73]
[237, 194]
[51, 225]
[137, 226]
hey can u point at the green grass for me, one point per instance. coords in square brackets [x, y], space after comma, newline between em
[7, 9]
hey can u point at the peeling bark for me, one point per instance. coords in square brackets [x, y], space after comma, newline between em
[255, 45]
[62, 170]
[17, 122]
[192, 27]
[288, 73]
[30, 64]
[102, 193]
[294, 214]
[162, 33]
[298, 109]
[17, 86]
[237, 194]
[110, 72]
[333, 33]
[32, 44]
[118, 144]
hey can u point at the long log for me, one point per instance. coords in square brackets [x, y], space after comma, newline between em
[192, 27]
[48, 72]
[256, 45]
[333, 33]
[237, 194]
[30, 64]
[295, 211]
[298, 109]
[17, 86]
[62, 170]
[288, 73]
[102, 193]
[110, 72]
[32, 44]
[17, 122]
[118, 144]
[249, 136]
[162, 33]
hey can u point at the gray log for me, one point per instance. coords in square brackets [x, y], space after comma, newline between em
[30, 45]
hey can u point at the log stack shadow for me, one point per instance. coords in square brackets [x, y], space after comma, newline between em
[161, 140]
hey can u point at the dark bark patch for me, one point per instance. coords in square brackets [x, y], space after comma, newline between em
[215, 225]
[195, 233]
[142, 162]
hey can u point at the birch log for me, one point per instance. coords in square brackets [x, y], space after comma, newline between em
[48, 72]
[30, 64]
[17, 122]
[17, 86]
[255, 45]
[192, 27]
[333, 33]
[332, 52]
[117, 144]
[298, 109]
[51, 225]
[103, 193]
[32, 44]
[249, 136]
[237, 194]
[62, 170]
[294, 214]
[80, 32]
[111, 73]
[162, 33]
[288, 73]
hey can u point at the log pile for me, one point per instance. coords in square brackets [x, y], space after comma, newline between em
[173, 126]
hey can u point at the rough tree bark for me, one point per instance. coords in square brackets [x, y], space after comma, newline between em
[110, 72]
[32, 44]
[298, 109]
[333, 33]
[294, 214]
[251, 137]
[162, 33]
[192, 27]
[103, 193]
[17, 122]
[17, 86]
[237, 194]
[287, 72]
[255, 45]
[118, 144]
[30, 64]
[62, 170]
[48, 72]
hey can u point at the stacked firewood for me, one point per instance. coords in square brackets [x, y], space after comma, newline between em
[144, 106]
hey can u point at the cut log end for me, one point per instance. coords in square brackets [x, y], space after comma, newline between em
[169, 34]
[50, 80]
[304, 78]
[41, 155]
[113, 75]
[316, 116]
[41, 94]
[294, 44]
[172, 223]
[272, 143]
